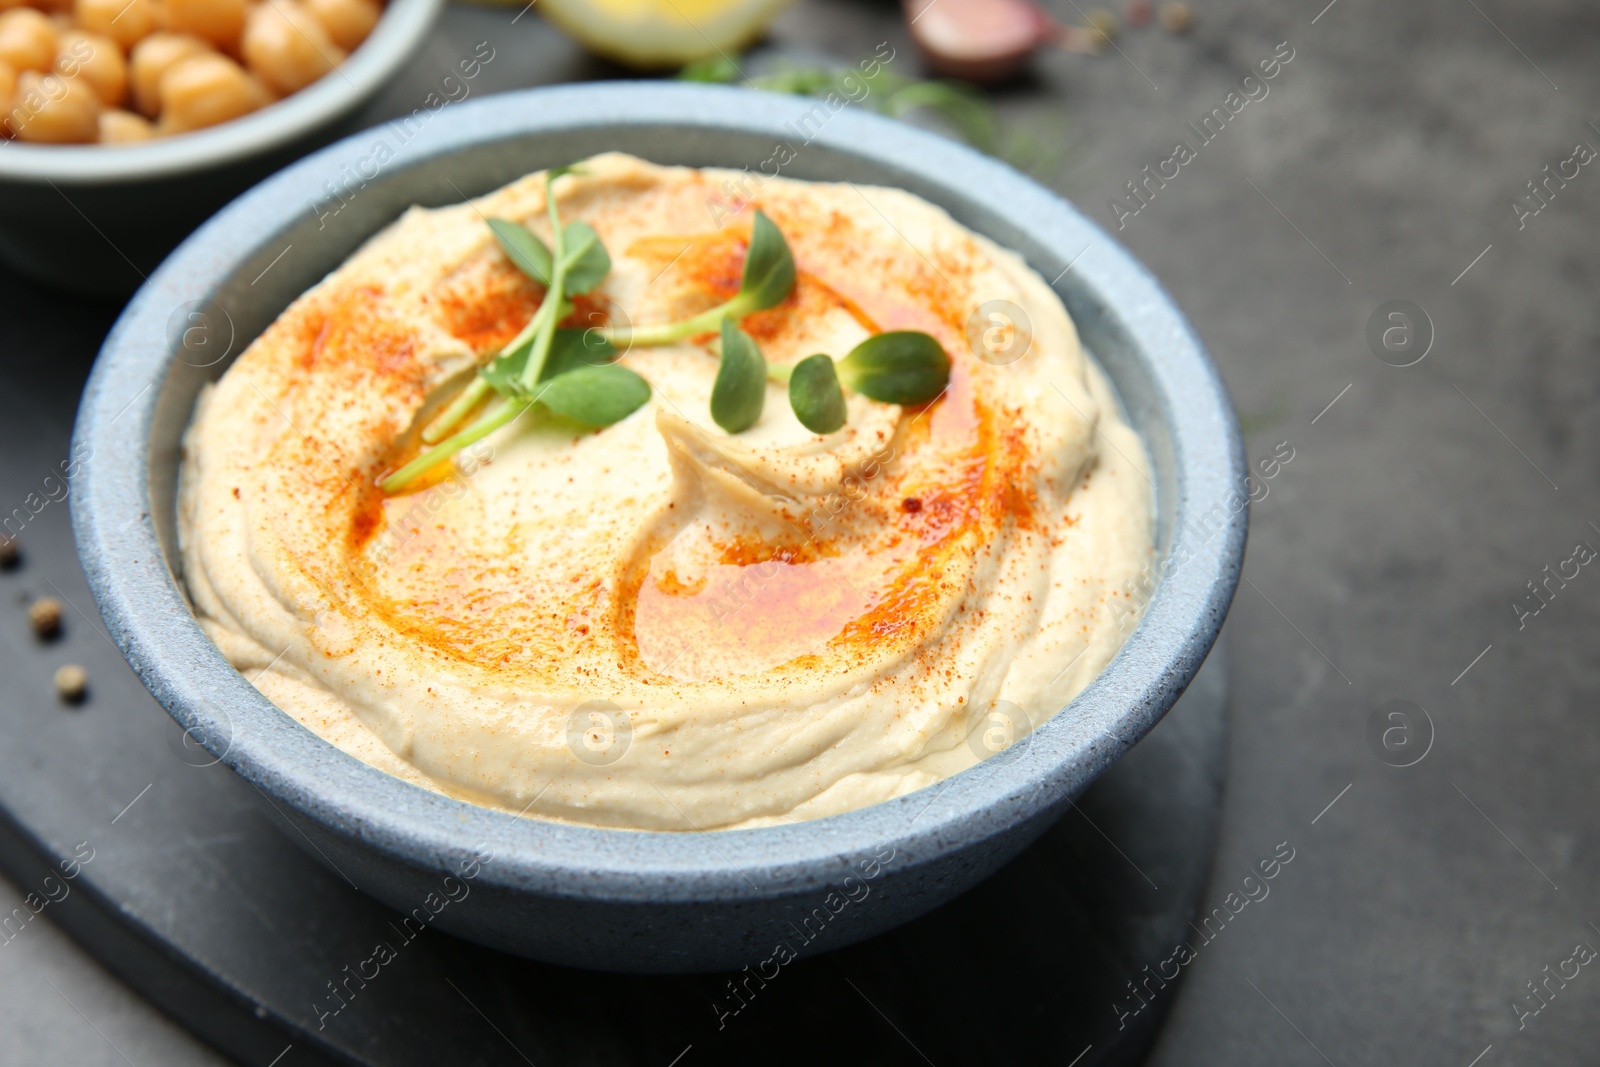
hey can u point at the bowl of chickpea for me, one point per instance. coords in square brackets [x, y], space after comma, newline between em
[126, 123]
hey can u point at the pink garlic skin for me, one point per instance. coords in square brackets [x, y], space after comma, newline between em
[980, 41]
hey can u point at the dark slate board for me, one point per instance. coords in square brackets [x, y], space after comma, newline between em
[198, 896]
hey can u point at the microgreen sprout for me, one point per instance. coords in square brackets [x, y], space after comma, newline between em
[572, 373]
[768, 277]
[740, 390]
[896, 367]
[601, 395]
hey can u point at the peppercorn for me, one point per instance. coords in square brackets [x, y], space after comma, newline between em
[44, 615]
[72, 683]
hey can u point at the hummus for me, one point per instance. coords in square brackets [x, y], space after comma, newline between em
[659, 625]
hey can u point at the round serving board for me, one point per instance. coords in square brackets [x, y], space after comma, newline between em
[196, 895]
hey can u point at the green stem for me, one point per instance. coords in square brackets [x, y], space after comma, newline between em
[547, 332]
[553, 296]
[780, 372]
[477, 389]
[667, 332]
[541, 328]
[485, 426]
[459, 409]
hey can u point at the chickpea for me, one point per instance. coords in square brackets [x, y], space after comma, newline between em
[124, 127]
[153, 57]
[27, 40]
[98, 61]
[217, 22]
[347, 21]
[122, 71]
[72, 683]
[287, 48]
[50, 109]
[8, 86]
[204, 90]
[126, 22]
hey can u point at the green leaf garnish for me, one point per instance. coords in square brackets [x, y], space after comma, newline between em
[523, 247]
[815, 396]
[515, 353]
[769, 274]
[599, 397]
[768, 266]
[569, 350]
[572, 373]
[573, 349]
[595, 396]
[897, 367]
[586, 260]
[740, 390]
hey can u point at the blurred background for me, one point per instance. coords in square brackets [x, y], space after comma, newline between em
[1401, 300]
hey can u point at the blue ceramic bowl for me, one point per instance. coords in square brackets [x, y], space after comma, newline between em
[609, 899]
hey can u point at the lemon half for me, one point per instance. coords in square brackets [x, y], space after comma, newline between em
[653, 34]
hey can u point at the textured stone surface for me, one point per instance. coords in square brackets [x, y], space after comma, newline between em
[1397, 538]
[1408, 522]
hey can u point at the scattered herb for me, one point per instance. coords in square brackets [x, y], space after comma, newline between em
[1032, 145]
[740, 390]
[719, 69]
[815, 395]
[959, 105]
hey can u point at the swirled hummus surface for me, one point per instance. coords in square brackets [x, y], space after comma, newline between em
[659, 625]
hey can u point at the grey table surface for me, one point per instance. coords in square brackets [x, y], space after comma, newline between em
[1390, 555]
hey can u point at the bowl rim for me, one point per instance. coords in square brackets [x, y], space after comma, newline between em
[150, 620]
[401, 28]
